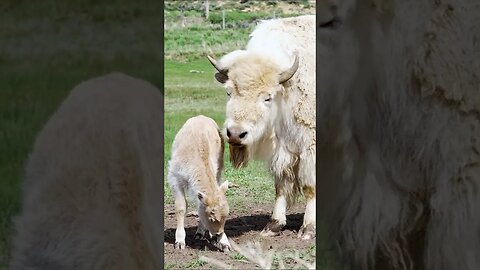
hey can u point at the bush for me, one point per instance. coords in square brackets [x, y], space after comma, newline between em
[272, 3]
[236, 18]
[215, 18]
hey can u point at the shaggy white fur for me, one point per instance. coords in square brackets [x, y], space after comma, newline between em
[91, 193]
[398, 122]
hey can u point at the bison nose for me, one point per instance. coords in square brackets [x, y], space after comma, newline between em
[235, 138]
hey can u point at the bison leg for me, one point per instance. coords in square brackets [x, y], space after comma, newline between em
[279, 218]
[180, 210]
[307, 231]
[224, 244]
[306, 176]
[221, 242]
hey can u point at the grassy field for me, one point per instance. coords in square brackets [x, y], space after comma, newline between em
[189, 35]
[48, 47]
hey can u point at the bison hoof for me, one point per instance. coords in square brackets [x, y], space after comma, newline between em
[306, 232]
[180, 245]
[221, 242]
[224, 247]
[273, 228]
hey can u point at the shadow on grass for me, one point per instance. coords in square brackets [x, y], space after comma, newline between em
[235, 227]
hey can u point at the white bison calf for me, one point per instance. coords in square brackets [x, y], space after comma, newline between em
[91, 195]
[196, 165]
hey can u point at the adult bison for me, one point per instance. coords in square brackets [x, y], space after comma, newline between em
[271, 110]
[398, 131]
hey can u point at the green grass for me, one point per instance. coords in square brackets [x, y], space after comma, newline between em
[236, 17]
[187, 44]
[189, 94]
[169, 266]
[238, 257]
[190, 36]
[47, 48]
[195, 264]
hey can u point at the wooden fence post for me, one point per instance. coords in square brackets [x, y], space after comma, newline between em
[207, 9]
[223, 18]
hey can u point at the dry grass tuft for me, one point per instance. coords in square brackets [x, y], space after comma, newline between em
[253, 252]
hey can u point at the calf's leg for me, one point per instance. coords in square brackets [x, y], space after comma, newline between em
[180, 210]
[223, 243]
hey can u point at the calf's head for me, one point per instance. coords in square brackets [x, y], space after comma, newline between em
[213, 209]
[253, 83]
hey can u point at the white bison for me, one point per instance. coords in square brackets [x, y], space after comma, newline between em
[196, 166]
[399, 131]
[271, 110]
[92, 190]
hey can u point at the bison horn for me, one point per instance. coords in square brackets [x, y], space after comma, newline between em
[287, 74]
[217, 67]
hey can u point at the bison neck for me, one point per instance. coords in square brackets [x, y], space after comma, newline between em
[263, 148]
[205, 181]
[290, 131]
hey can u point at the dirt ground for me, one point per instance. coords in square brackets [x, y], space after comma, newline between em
[241, 228]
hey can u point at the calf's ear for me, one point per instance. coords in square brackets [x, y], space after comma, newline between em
[224, 186]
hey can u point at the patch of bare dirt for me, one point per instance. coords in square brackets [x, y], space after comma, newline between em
[241, 228]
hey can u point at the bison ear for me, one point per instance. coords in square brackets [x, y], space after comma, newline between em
[201, 196]
[224, 186]
[222, 74]
[221, 78]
